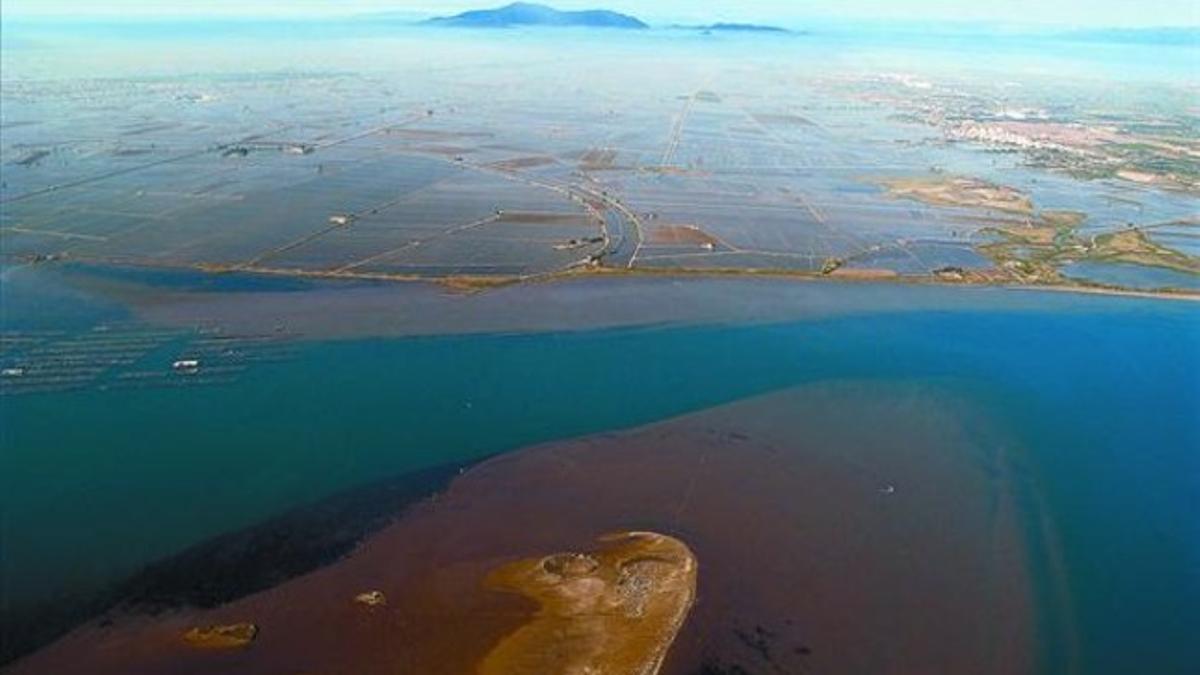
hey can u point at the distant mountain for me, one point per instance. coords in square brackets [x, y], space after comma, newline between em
[742, 28]
[526, 14]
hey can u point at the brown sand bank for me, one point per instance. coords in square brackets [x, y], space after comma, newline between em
[614, 610]
[960, 192]
[850, 527]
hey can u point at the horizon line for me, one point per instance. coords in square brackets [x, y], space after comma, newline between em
[417, 17]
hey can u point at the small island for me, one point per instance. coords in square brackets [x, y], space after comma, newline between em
[742, 28]
[529, 14]
[622, 606]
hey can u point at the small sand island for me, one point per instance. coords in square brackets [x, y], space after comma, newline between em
[621, 606]
[230, 636]
[959, 191]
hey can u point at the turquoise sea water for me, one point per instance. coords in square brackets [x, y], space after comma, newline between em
[1101, 401]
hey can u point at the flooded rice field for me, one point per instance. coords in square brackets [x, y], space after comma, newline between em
[1131, 276]
[453, 172]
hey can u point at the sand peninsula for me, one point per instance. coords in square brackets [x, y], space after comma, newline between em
[615, 610]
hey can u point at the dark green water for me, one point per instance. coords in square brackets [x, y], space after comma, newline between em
[1102, 402]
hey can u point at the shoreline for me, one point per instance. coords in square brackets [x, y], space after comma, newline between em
[314, 310]
[468, 284]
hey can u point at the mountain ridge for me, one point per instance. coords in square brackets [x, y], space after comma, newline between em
[530, 14]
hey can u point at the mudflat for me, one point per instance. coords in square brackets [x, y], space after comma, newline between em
[848, 527]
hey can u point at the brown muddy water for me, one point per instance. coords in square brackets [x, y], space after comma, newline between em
[846, 527]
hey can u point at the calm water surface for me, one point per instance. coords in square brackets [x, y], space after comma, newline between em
[1101, 401]
[1131, 276]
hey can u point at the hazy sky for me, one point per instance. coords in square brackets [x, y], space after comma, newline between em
[1123, 13]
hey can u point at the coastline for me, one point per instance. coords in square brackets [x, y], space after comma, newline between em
[339, 310]
[469, 284]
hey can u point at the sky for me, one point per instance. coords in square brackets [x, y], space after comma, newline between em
[1083, 13]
